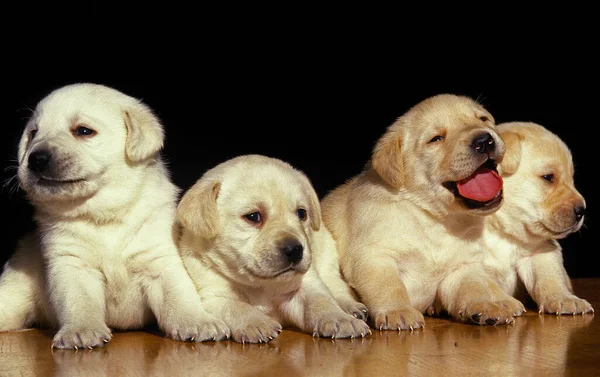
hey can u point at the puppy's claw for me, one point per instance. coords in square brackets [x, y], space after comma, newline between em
[411, 328]
[52, 346]
[90, 348]
[271, 338]
[76, 349]
[362, 335]
[105, 340]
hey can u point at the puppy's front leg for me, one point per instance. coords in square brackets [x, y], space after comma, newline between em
[547, 282]
[76, 292]
[314, 310]
[326, 261]
[175, 302]
[380, 287]
[470, 294]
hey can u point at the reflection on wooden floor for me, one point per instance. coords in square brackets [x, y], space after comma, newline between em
[534, 345]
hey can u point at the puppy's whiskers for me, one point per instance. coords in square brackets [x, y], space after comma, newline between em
[11, 184]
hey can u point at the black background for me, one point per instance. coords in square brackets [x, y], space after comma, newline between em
[320, 109]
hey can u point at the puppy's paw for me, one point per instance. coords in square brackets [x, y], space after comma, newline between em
[197, 329]
[261, 329]
[404, 319]
[564, 305]
[340, 325]
[77, 337]
[354, 308]
[513, 305]
[434, 310]
[490, 312]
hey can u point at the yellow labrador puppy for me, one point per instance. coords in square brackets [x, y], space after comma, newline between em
[542, 206]
[409, 227]
[253, 243]
[105, 254]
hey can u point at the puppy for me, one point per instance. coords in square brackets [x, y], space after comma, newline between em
[251, 240]
[105, 252]
[409, 227]
[542, 206]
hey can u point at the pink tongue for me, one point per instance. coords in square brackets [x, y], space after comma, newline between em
[483, 185]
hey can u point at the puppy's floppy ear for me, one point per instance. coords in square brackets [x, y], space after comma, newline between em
[314, 207]
[387, 159]
[512, 156]
[145, 134]
[197, 210]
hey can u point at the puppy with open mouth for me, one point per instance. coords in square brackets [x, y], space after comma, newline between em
[104, 255]
[409, 227]
[253, 243]
[542, 206]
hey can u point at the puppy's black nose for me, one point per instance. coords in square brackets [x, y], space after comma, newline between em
[483, 143]
[39, 161]
[292, 249]
[579, 213]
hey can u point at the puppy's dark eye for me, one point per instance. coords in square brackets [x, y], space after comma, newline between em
[548, 177]
[32, 134]
[483, 118]
[301, 213]
[436, 138]
[83, 131]
[254, 217]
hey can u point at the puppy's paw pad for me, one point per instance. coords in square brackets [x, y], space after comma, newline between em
[340, 325]
[489, 313]
[403, 319]
[81, 337]
[565, 305]
[259, 330]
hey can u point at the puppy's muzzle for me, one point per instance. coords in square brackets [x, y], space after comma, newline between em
[292, 250]
[483, 143]
[39, 161]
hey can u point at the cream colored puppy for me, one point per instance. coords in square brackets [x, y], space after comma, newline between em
[104, 255]
[253, 242]
[542, 206]
[409, 227]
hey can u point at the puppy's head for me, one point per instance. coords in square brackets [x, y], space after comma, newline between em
[78, 135]
[258, 215]
[538, 175]
[444, 152]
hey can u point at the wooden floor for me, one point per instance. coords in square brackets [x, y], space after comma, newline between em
[540, 345]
